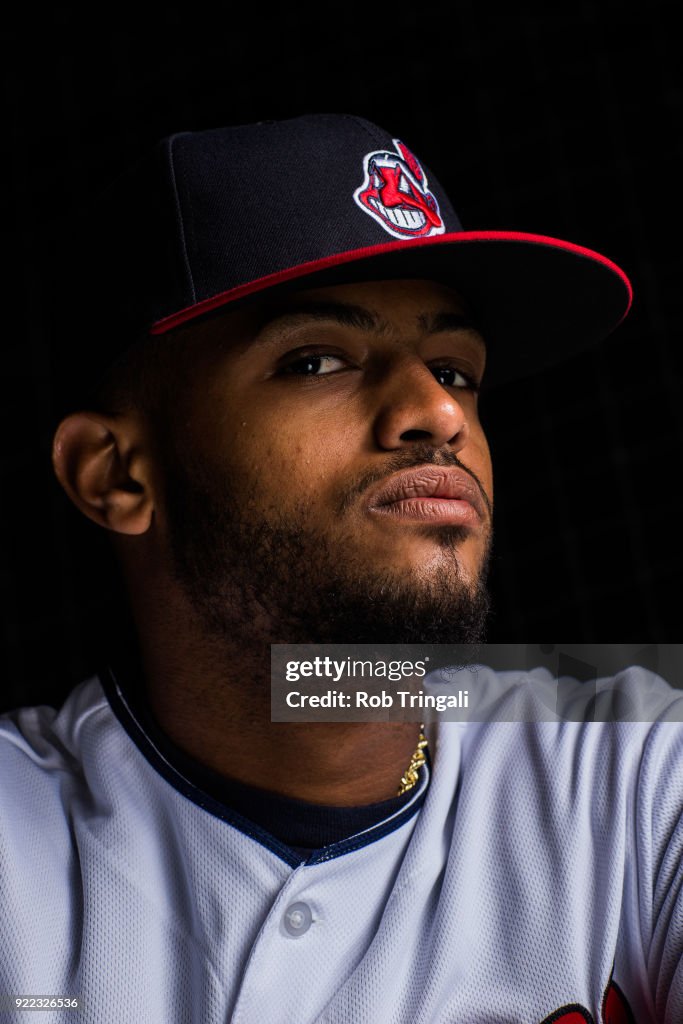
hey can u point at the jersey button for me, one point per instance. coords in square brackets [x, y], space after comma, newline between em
[297, 919]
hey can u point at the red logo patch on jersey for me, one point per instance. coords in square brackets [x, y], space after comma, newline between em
[615, 1010]
[395, 193]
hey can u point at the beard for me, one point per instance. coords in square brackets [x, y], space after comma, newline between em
[268, 576]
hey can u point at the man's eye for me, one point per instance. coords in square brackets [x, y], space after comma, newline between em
[314, 366]
[449, 377]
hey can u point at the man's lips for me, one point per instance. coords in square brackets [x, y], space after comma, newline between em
[443, 495]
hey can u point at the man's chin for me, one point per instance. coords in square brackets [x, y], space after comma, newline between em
[347, 608]
[403, 617]
[434, 603]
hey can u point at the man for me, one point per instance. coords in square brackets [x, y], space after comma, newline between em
[283, 438]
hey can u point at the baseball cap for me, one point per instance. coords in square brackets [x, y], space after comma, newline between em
[212, 219]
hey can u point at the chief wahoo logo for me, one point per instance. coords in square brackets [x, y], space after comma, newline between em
[395, 193]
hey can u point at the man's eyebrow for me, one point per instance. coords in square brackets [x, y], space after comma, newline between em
[343, 313]
[441, 323]
[298, 312]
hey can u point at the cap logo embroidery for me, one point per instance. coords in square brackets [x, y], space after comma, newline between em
[395, 193]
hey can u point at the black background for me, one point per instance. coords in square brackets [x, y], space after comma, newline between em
[562, 120]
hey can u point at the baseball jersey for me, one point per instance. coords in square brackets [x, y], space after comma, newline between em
[534, 876]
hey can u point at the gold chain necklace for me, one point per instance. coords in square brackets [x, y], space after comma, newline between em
[417, 760]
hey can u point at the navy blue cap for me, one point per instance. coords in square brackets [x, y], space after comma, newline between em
[213, 218]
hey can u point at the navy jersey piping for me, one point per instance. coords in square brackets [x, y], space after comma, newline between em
[127, 719]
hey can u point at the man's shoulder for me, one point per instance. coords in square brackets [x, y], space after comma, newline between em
[622, 731]
[46, 743]
[634, 695]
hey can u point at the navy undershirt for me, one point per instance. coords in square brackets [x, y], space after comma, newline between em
[302, 826]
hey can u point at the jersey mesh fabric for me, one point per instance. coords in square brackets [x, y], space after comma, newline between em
[660, 843]
[545, 859]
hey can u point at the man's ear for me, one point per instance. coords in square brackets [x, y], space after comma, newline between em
[103, 466]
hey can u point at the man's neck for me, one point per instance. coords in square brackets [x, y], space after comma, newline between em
[214, 704]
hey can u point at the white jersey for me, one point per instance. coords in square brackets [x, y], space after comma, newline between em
[535, 877]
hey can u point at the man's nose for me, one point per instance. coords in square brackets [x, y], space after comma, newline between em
[415, 407]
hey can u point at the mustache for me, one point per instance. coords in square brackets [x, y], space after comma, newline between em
[409, 458]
